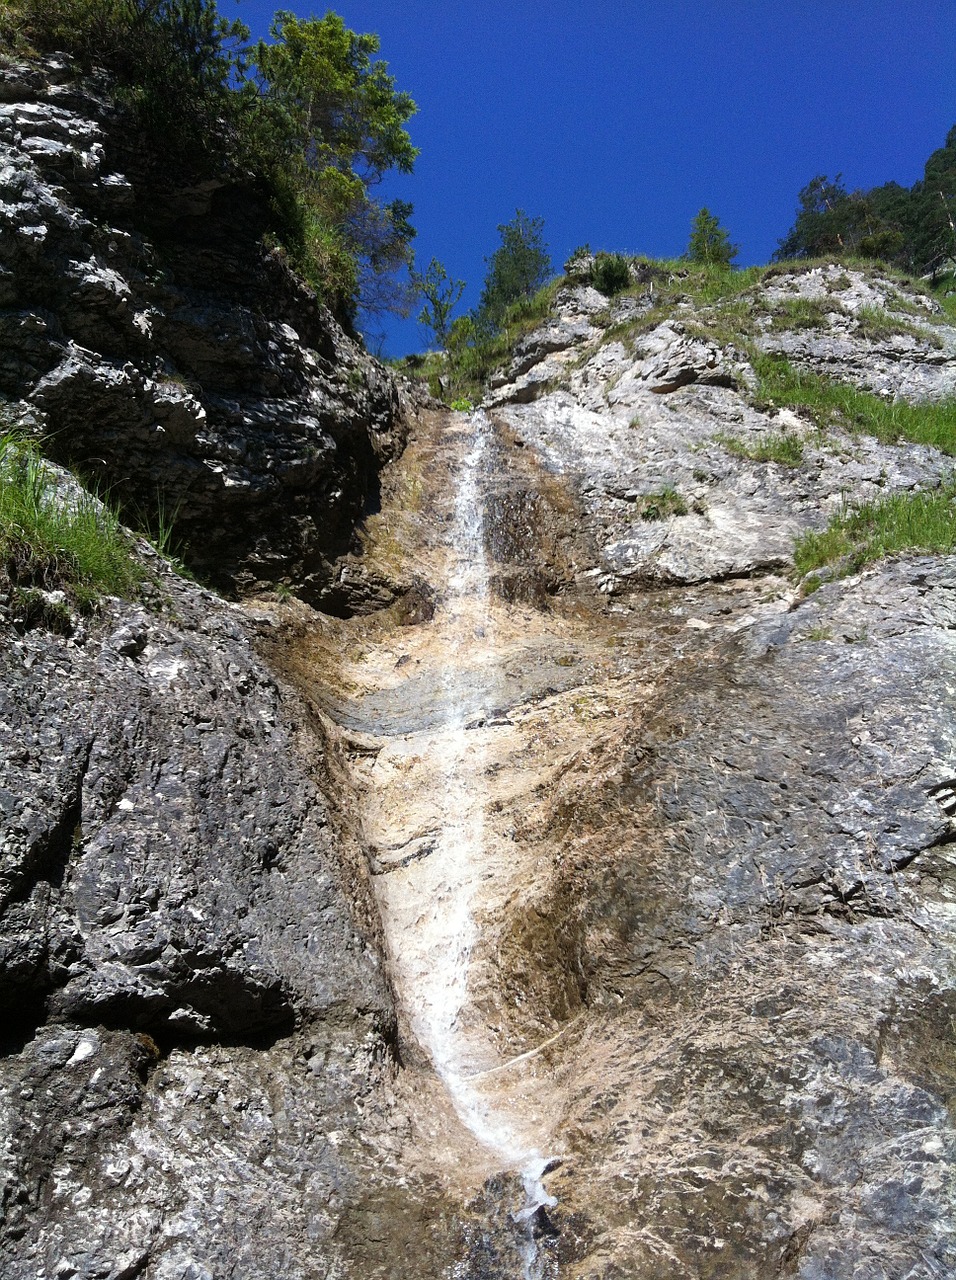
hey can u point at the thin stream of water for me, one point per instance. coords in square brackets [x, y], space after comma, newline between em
[437, 1009]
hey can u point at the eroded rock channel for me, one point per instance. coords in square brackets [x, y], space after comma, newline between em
[664, 879]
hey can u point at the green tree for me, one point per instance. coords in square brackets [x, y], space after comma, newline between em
[833, 221]
[830, 220]
[709, 241]
[914, 228]
[440, 294]
[335, 116]
[934, 232]
[517, 269]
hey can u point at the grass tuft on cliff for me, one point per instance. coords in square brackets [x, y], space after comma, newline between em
[55, 540]
[900, 522]
[781, 447]
[830, 403]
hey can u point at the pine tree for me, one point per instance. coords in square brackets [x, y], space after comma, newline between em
[709, 241]
[517, 269]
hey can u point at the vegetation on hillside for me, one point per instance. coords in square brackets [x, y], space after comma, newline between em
[516, 270]
[913, 228]
[901, 522]
[56, 539]
[310, 113]
[515, 299]
[709, 241]
[828, 402]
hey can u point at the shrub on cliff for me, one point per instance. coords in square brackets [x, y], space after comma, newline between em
[311, 113]
[327, 116]
[610, 274]
[170, 62]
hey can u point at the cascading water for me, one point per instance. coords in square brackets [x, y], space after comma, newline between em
[430, 906]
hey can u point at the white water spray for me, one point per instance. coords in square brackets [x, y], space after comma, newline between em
[437, 899]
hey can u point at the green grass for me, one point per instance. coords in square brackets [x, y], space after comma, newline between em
[897, 301]
[707, 283]
[729, 325]
[876, 323]
[51, 542]
[948, 302]
[830, 403]
[818, 633]
[661, 503]
[780, 447]
[804, 313]
[914, 522]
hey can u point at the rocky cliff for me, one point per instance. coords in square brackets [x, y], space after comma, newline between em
[169, 356]
[712, 976]
[616, 842]
[188, 945]
[185, 935]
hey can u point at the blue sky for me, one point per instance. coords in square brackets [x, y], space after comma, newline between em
[616, 121]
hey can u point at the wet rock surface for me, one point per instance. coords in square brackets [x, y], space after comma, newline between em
[714, 960]
[172, 359]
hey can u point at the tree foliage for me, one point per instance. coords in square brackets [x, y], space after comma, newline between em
[311, 113]
[440, 294]
[830, 220]
[911, 227]
[338, 122]
[517, 269]
[709, 241]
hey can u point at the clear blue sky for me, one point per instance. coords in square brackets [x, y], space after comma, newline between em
[616, 121]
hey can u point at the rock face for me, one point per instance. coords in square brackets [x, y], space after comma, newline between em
[182, 933]
[654, 843]
[625, 419]
[169, 356]
[712, 965]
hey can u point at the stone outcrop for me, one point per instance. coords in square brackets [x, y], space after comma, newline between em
[171, 358]
[190, 960]
[623, 419]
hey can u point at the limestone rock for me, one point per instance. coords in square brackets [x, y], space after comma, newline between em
[170, 357]
[671, 410]
[170, 878]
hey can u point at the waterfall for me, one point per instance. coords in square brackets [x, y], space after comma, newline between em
[430, 908]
